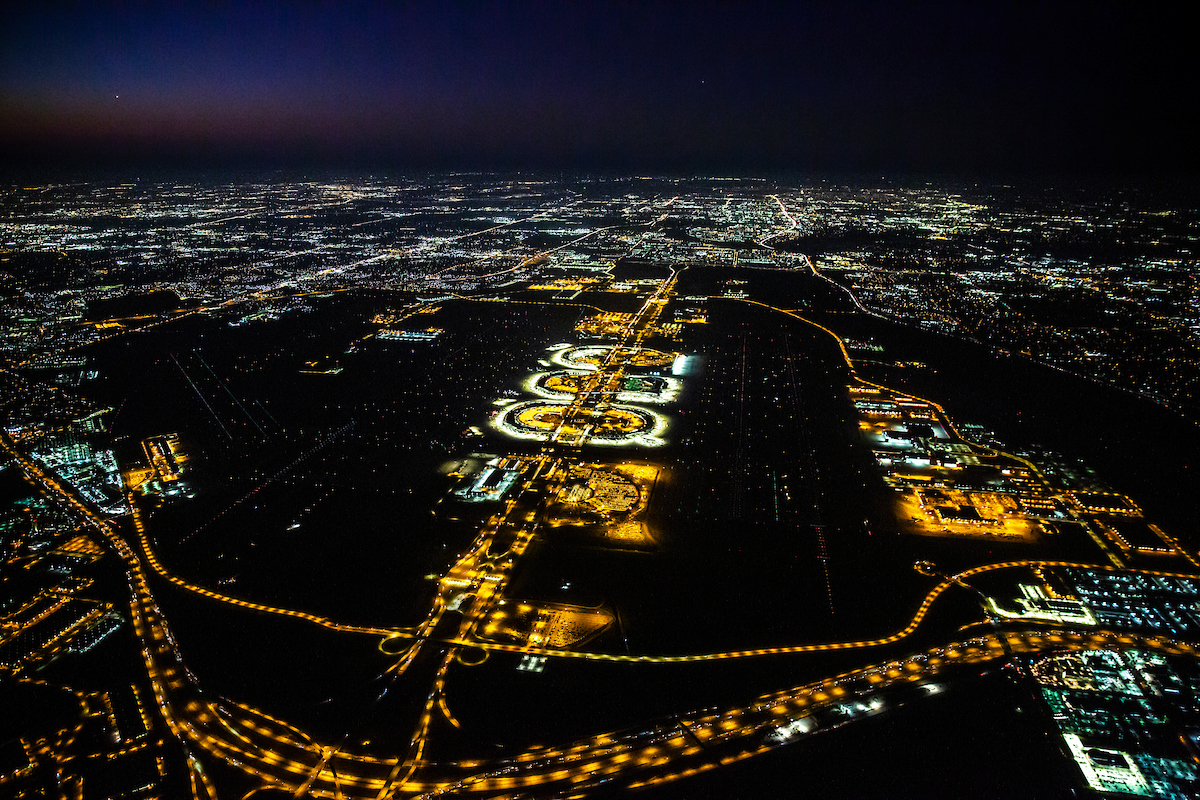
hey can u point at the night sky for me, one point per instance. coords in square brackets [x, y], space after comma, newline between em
[898, 87]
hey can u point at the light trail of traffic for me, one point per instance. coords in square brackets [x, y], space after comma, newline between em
[696, 743]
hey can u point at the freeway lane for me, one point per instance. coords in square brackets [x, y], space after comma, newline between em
[667, 750]
[688, 745]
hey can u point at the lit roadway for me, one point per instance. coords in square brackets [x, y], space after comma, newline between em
[282, 755]
[285, 756]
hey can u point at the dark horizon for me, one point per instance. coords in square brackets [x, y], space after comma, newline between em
[989, 90]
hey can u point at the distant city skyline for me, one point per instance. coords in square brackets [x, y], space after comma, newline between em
[994, 88]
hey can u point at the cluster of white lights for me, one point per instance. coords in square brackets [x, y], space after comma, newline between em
[533, 385]
[569, 356]
[650, 436]
[669, 393]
